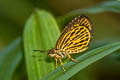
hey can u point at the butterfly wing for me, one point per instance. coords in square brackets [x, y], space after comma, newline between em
[76, 36]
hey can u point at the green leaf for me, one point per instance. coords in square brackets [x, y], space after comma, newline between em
[112, 6]
[85, 60]
[10, 57]
[41, 32]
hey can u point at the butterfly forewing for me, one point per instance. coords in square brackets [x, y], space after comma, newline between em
[85, 21]
[76, 36]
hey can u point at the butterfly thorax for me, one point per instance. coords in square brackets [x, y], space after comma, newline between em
[57, 53]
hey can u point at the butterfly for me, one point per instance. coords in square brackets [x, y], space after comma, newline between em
[75, 38]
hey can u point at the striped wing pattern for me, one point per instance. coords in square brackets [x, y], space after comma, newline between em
[76, 36]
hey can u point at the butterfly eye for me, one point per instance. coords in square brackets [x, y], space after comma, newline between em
[51, 51]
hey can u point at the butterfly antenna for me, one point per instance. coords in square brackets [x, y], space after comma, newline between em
[40, 51]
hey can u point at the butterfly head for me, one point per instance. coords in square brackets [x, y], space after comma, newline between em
[51, 53]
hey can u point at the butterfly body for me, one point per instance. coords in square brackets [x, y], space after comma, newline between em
[56, 53]
[75, 38]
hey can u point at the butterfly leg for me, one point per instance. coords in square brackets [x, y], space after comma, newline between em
[56, 62]
[74, 60]
[62, 64]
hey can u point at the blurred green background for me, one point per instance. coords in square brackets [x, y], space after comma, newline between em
[105, 17]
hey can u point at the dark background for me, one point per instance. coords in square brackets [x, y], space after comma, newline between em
[106, 28]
